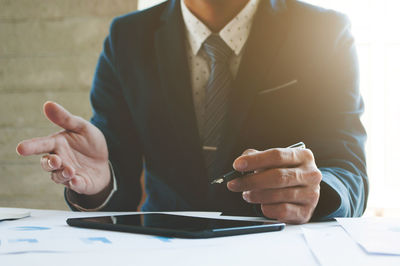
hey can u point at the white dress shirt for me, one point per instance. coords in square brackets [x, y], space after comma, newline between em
[235, 35]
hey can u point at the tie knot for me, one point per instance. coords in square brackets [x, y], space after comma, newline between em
[217, 49]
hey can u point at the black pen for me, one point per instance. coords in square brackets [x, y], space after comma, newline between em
[235, 174]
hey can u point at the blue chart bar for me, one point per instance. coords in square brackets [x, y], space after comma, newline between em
[30, 228]
[24, 240]
[91, 240]
[163, 238]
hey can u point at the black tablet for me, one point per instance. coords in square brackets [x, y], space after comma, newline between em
[175, 225]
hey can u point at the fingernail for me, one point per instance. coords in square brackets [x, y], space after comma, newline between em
[233, 184]
[245, 195]
[50, 164]
[240, 164]
[74, 182]
[17, 150]
[65, 174]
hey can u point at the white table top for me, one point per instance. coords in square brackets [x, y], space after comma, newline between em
[45, 239]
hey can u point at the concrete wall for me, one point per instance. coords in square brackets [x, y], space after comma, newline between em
[48, 51]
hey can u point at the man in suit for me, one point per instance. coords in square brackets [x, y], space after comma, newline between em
[187, 88]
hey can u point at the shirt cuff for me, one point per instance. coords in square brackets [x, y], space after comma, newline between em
[72, 202]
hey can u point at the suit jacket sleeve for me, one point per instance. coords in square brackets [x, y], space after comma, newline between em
[340, 140]
[112, 116]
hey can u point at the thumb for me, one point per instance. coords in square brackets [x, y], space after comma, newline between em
[61, 117]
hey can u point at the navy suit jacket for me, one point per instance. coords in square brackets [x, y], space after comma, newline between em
[142, 102]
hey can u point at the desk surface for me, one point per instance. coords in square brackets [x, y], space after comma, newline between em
[44, 238]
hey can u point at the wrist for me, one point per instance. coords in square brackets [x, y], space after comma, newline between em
[96, 201]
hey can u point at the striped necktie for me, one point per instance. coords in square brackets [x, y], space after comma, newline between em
[217, 91]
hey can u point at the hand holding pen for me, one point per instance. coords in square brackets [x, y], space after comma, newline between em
[235, 174]
[284, 181]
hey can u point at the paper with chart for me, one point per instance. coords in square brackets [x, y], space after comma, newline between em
[332, 246]
[47, 231]
[12, 214]
[25, 241]
[375, 235]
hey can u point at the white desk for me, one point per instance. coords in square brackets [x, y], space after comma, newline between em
[64, 245]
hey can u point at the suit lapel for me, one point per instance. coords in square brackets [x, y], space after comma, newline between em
[268, 32]
[176, 86]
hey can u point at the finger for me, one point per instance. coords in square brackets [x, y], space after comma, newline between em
[77, 184]
[273, 158]
[295, 195]
[36, 146]
[51, 162]
[58, 178]
[249, 151]
[277, 178]
[287, 212]
[64, 175]
[238, 164]
[61, 117]
[269, 179]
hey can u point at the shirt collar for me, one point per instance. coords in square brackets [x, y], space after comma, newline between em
[235, 33]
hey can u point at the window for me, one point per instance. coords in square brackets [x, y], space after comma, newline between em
[143, 4]
[376, 28]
